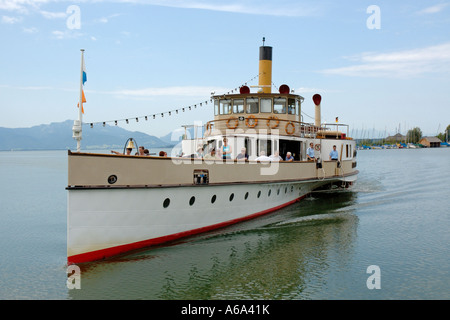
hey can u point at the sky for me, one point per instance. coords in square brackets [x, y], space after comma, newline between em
[382, 67]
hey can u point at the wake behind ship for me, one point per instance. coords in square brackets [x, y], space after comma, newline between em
[258, 157]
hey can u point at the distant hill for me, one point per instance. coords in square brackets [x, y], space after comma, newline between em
[58, 136]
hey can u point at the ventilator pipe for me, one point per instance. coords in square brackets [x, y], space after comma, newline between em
[316, 99]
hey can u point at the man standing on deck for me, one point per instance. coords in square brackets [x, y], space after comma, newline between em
[334, 154]
[310, 152]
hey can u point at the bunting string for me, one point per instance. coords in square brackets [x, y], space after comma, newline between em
[162, 114]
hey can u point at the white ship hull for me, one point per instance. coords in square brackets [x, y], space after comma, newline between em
[106, 222]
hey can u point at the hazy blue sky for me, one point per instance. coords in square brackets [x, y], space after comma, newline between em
[375, 72]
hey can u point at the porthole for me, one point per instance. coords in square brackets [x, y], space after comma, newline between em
[231, 197]
[270, 191]
[292, 188]
[191, 201]
[166, 203]
[213, 199]
[259, 193]
[285, 190]
[112, 179]
[246, 196]
[278, 192]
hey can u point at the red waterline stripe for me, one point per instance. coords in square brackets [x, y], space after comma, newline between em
[109, 252]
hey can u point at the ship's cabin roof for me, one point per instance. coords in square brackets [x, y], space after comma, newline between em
[284, 106]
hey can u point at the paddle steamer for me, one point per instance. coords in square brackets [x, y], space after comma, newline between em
[118, 203]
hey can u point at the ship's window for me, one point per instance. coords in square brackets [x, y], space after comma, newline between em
[231, 197]
[166, 202]
[216, 107]
[259, 194]
[213, 199]
[292, 188]
[266, 105]
[238, 106]
[270, 191]
[297, 107]
[346, 150]
[285, 190]
[278, 192]
[191, 201]
[264, 145]
[279, 105]
[246, 196]
[225, 106]
[252, 105]
[291, 106]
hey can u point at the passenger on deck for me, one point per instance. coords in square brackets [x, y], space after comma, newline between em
[289, 157]
[162, 154]
[141, 151]
[262, 157]
[310, 152]
[127, 152]
[275, 157]
[211, 155]
[146, 152]
[243, 155]
[334, 154]
[226, 149]
[199, 153]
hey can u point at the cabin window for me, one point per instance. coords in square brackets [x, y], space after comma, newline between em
[279, 105]
[266, 105]
[346, 150]
[225, 106]
[252, 105]
[266, 146]
[291, 106]
[297, 106]
[238, 106]
[216, 107]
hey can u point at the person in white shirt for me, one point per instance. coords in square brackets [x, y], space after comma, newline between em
[310, 152]
[262, 157]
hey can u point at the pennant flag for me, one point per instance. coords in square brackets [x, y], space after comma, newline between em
[337, 119]
[84, 73]
[83, 100]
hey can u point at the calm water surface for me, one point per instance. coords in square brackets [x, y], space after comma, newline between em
[396, 217]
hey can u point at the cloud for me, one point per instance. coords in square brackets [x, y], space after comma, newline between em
[400, 64]
[273, 8]
[30, 30]
[66, 34]
[434, 9]
[53, 15]
[11, 20]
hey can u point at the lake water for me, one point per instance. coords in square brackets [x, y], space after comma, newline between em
[396, 218]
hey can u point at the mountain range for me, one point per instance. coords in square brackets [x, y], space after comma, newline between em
[58, 136]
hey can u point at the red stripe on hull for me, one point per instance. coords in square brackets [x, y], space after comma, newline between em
[109, 252]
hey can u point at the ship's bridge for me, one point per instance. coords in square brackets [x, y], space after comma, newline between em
[259, 112]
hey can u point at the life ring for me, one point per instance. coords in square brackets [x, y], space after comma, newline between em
[208, 129]
[276, 122]
[290, 131]
[317, 147]
[251, 125]
[229, 126]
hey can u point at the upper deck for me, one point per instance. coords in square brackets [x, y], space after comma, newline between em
[259, 113]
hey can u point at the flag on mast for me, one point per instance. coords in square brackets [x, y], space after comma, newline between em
[84, 79]
[84, 73]
[83, 101]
